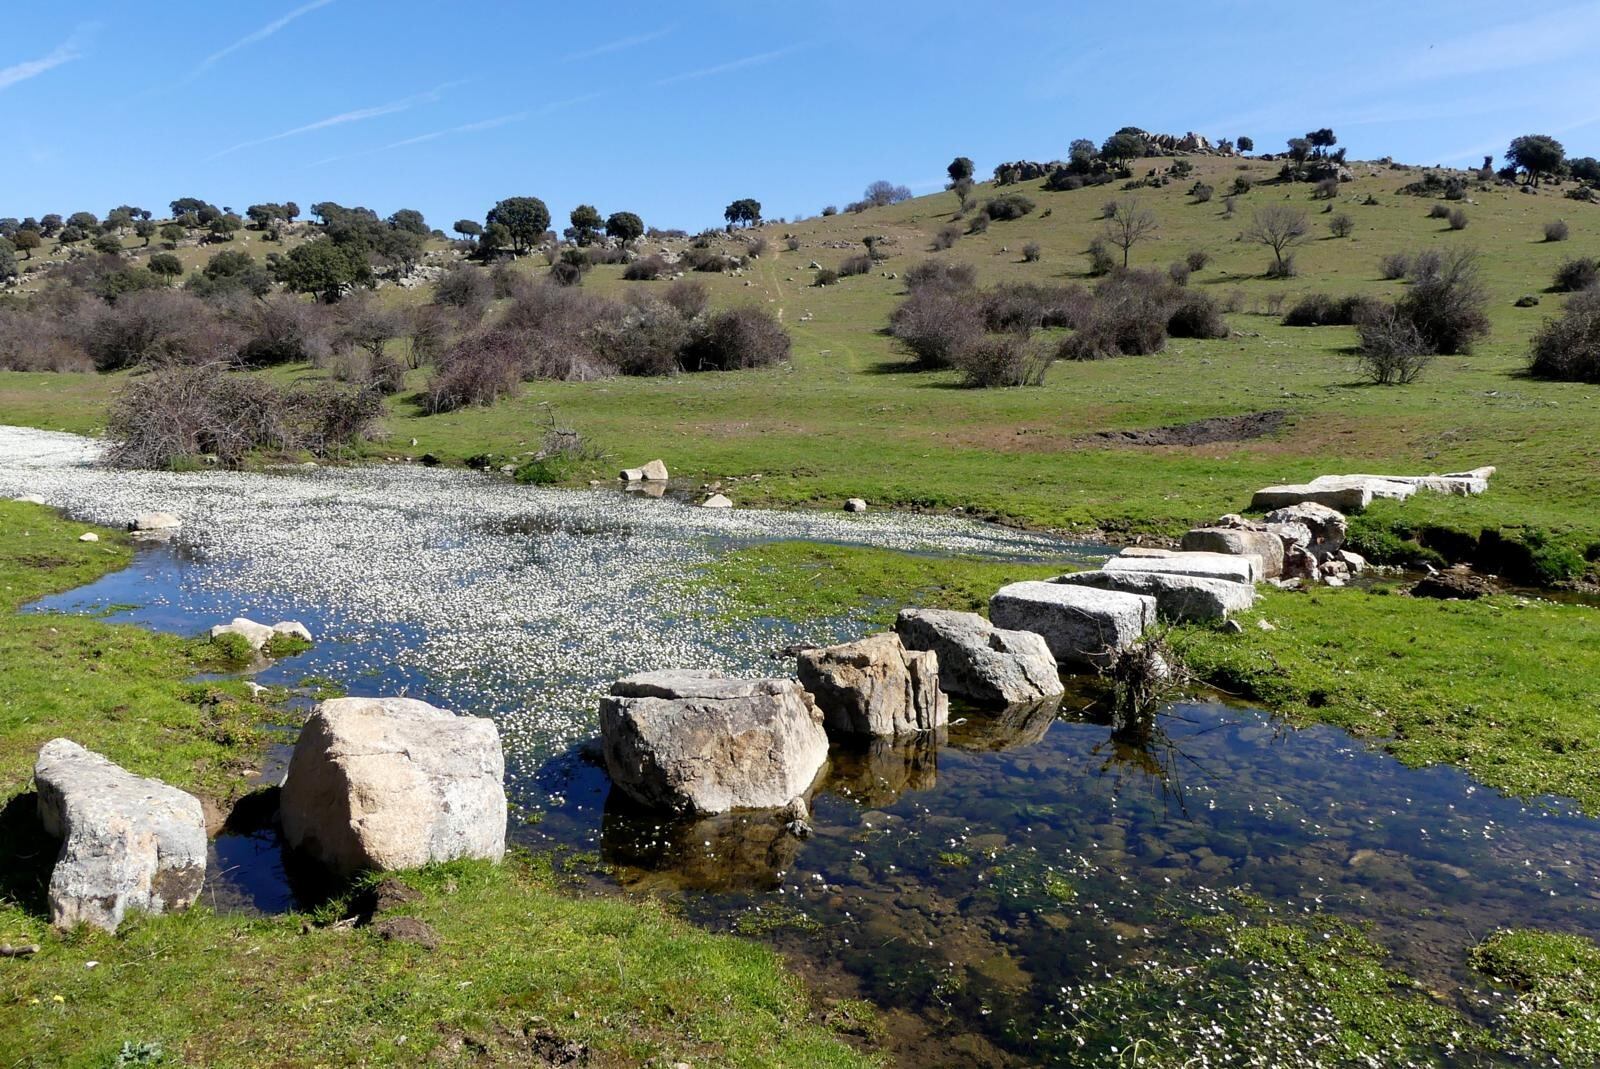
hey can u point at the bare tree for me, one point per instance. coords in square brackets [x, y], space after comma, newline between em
[1279, 227]
[1128, 224]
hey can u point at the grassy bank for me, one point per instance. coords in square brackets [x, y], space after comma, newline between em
[522, 964]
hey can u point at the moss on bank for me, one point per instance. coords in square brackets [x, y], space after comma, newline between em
[1554, 1009]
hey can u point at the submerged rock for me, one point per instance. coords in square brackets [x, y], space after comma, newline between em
[128, 843]
[979, 661]
[875, 687]
[1462, 585]
[1081, 625]
[155, 521]
[394, 783]
[695, 742]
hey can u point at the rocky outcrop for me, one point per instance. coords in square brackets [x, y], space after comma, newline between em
[127, 843]
[1326, 526]
[1352, 493]
[1204, 565]
[394, 783]
[875, 687]
[1082, 626]
[694, 742]
[1179, 598]
[1452, 585]
[979, 661]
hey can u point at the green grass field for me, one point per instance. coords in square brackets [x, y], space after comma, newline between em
[845, 419]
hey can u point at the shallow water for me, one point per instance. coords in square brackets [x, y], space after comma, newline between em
[970, 885]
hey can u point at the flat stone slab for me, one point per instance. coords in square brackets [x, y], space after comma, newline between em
[128, 843]
[694, 742]
[1179, 598]
[1379, 486]
[1461, 483]
[979, 661]
[394, 783]
[1239, 542]
[1247, 569]
[1340, 499]
[1081, 625]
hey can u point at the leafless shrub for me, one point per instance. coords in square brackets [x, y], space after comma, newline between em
[478, 370]
[1393, 351]
[1003, 360]
[935, 322]
[1394, 266]
[645, 269]
[745, 337]
[1568, 347]
[939, 274]
[688, 295]
[946, 237]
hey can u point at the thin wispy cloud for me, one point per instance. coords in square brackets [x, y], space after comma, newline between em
[465, 128]
[1538, 40]
[256, 36]
[724, 68]
[619, 45]
[65, 52]
[342, 119]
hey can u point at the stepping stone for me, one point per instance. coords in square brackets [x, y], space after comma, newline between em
[979, 661]
[127, 843]
[875, 687]
[1378, 485]
[1179, 598]
[1082, 625]
[1239, 542]
[1341, 499]
[1205, 565]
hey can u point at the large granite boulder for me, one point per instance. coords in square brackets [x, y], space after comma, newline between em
[394, 783]
[1205, 565]
[1082, 625]
[1179, 598]
[1239, 542]
[875, 686]
[1327, 526]
[979, 661]
[694, 742]
[127, 842]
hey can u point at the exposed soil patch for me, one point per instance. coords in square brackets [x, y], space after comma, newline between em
[1202, 431]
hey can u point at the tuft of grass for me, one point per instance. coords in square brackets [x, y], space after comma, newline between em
[1554, 1015]
[231, 649]
[811, 580]
[283, 645]
[1484, 685]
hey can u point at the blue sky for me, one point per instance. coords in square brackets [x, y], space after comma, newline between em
[673, 110]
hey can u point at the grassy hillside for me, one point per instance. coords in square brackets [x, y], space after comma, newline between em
[845, 419]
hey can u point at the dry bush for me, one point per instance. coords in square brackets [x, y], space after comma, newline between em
[860, 264]
[1447, 305]
[935, 322]
[478, 370]
[743, 337]
[939, 274]
[33, 338]
[688, 295]
[1556, 230]
[466, 287]
[646, 340]
[1101, 259]
[1396, 265]
[1321, 310]
[1196, 259]
[1393, 351]
[1003, 360]
[1129, 317]
[1576, 274]
[173, 415]
[156, 327]
[1031, 252]
[1568, 347]
[946, 237]
[282, 329]
[1196, 315]
[1458, 219]
[645, 269]
[1023, 307]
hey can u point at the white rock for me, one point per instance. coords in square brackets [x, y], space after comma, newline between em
[979, 661]
[1341, 499]
[258, 635]
[29, 499]
[875, 686]
[698, 743]
[1239, 542]
[1377, 485]
[855, 504]
[716, 501]
[394, 783]
[88, 536]
[293, 628]
[1179, 598]
[155, 521]
[128, 843]
[1081, 625]
[1246, 569]
[655, 471]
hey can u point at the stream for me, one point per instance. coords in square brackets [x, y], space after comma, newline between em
[984, 889]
